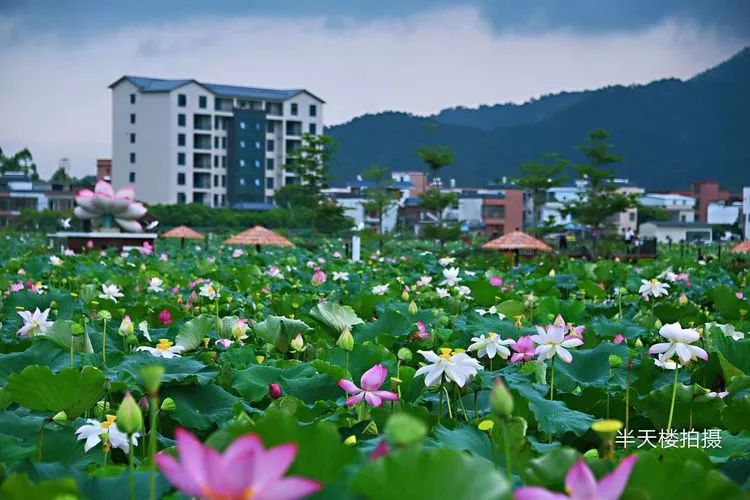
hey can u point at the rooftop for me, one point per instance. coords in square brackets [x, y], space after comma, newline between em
[146, 84]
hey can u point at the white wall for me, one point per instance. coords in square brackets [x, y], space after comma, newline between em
[719, 213]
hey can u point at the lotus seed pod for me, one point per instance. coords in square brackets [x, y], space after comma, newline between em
[168, 405]
[615, 361]
[405, 354]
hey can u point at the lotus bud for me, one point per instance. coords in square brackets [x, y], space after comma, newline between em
[592, 453]
[107, 386]
[403, 429]
[638, 342]
[168, 405]
[274, 390]
[76, 329]
[60, 417]
[683, 299]
[405, 295]
[260, 359]
[405, 355]
[206, 340]
[53, 304]
[129, 416]
[551, 273]
[657, 324]
[126, 327]
[298, 343]
[346, 340]
[615, 361]
[351, 440]
[239, 330]
[151, 376]
[486, 425]
[501, 400]
[318, 278]
[143, 404]
[413, 309]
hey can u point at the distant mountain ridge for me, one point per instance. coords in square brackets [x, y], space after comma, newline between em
[670, 132]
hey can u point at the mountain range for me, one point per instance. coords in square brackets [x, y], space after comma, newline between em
[669, 132]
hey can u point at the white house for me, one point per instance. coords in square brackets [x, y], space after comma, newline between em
[666, 231]
[681, 208]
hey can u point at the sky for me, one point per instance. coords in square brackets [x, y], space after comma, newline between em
[57, 58]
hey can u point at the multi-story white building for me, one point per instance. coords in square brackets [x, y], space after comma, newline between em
[746, 211]
[680, 208]
[184, 141]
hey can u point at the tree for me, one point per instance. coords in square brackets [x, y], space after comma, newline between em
[61, 177]
[304, 200]
[648, 213]
[436, 158]
[381, 197]
[601, 198]
[22, 161]
[539, 176]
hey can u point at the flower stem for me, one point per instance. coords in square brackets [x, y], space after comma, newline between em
[41, 442]
[506, 448]
[627, 400]
[131, 448]
[609, 377]
[440, 400]
[152, 444]
[104, 344]
[674, 395]
[552, 380]
[448, 402]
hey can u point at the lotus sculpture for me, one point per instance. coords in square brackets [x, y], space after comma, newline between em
[104, 207]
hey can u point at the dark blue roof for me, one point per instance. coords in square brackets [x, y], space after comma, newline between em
[163, 85]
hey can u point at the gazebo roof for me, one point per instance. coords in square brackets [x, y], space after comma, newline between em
[259, 235]
[743, 247]
[517, 240]
[183, 232]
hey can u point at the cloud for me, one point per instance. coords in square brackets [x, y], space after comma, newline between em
[54, 96]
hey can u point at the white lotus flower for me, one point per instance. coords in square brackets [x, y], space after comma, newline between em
[463, 291]
[653, 287]
[458, 368]
[207, 290]
[491, 345]
[491, 310]
[551, 341]
[154, 285]
[55, 261]
[110, 292]
[93, 430]
[164, 349]
[451, 276]
[446, 261]
[340, 276]
[679, 343]
[442, 293]
[34, 323]
[143, 328]
[238, 252]
[663, 362]
[380, 289]
[423, 281]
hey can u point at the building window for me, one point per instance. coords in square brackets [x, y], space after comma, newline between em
[132, 118]
[180, 178]
[493, 211]
[180, 139]
[243, 125]
[313, 128]
[257, 163]
[270, 127]
[216, 143]
[294, 109]
[181, 100]
[181, 198]
[202, 102]
[216, 181]
[132, 158]
[257, 144]
[131, 177]
[269, 182]
[216, 162]
[132, 98]
[242, 163]
[224, 143]
[224, 161]
[269, 145]
[242, 181]
[313, 110]
[223, 181]
[242, 144]
[180, 158]
[269, 163]
[181, 120]
[257, 125]
[132, 138]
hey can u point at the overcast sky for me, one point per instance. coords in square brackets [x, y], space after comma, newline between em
[57, 58]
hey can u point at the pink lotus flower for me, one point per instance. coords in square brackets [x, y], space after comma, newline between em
[421, 332]
[371, 382]
[225, 343]
[740, 295]
[274, 390]
[319, 277]
[580, 484]
[16, 287]
[163, 257]
[90, 244]
[524, 348]
[165, 317]
[245, 470]
[146, 249]
[380, 450]
[619, 338]
[104, 201]
[496, 281]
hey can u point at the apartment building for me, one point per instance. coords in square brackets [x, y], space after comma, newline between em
[680, 208]
[184, 141]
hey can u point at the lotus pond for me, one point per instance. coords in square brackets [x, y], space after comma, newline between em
[224, 373]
